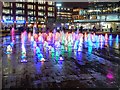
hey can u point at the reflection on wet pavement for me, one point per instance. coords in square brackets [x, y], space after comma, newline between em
[91, 66]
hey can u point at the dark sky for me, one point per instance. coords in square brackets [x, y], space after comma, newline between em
[75, 4]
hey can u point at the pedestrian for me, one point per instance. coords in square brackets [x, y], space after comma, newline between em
[111, 29]
[81, 29]
[117, 28]
[94, 29]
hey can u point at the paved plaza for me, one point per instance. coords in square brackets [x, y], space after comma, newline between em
[88, 68]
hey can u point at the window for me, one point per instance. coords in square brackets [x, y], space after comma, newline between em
[41, 8]
[41, 13]
[40, 19]
[30, 13]
[50, 9]
[7, 11]
[20, 18]
[34, 12]
[7, 18]
[19, 11]
[31, 19]
[50, 14]
[19, 5]
[50, 3]
[34, 7]
[68, 9]
[58, 7]
[109, 4]
[30, 6]
[30, 0]
[41, 2]
[7, 4]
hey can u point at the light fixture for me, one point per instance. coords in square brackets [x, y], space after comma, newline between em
[58, 4]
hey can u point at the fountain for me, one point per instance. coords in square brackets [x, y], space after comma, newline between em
[13, 34]
[106, 36]
[110, 37]
[23, 57]
[61, 58]
[9, 49]
[89, 40]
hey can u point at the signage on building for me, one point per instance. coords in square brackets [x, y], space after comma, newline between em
[20, 21]
[7, 21]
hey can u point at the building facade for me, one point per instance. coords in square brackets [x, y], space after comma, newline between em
[102, 15]
[28, 13]
[63, 16]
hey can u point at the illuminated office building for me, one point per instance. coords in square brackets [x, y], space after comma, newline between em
[103, 15]
[28, 13]
[64, 14]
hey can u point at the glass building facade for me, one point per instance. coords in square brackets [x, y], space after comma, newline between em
[103, 15]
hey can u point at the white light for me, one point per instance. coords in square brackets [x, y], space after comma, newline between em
[58, 5]
[58, 28]
[62, 24]
[42, 22]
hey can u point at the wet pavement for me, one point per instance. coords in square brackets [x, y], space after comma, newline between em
[88, 68]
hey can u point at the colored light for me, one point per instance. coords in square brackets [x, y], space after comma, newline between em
[8, 21]
[21, 21]
[61, 58]
[110, 76]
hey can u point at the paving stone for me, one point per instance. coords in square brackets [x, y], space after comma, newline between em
[99, 77]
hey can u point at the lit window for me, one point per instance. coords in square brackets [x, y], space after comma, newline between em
[50, 14]
[50, 9]
[41, 13]
[41, 7]
[68, 9]
[41, 2]
[7, 11]
[30, 12]
[20, 18]
[50, 3]
[7, 18]
[19, 5]
[109, 4]
[6, 4]
[40, 19]
[31, 19]
[58, 7]
[30, 6]
[30, 0]
[19, 11]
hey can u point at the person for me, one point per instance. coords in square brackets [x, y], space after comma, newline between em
[117, 28]
[6, 28]
[111, 29]
[94, 29]
[28, 30]
[81, 29]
